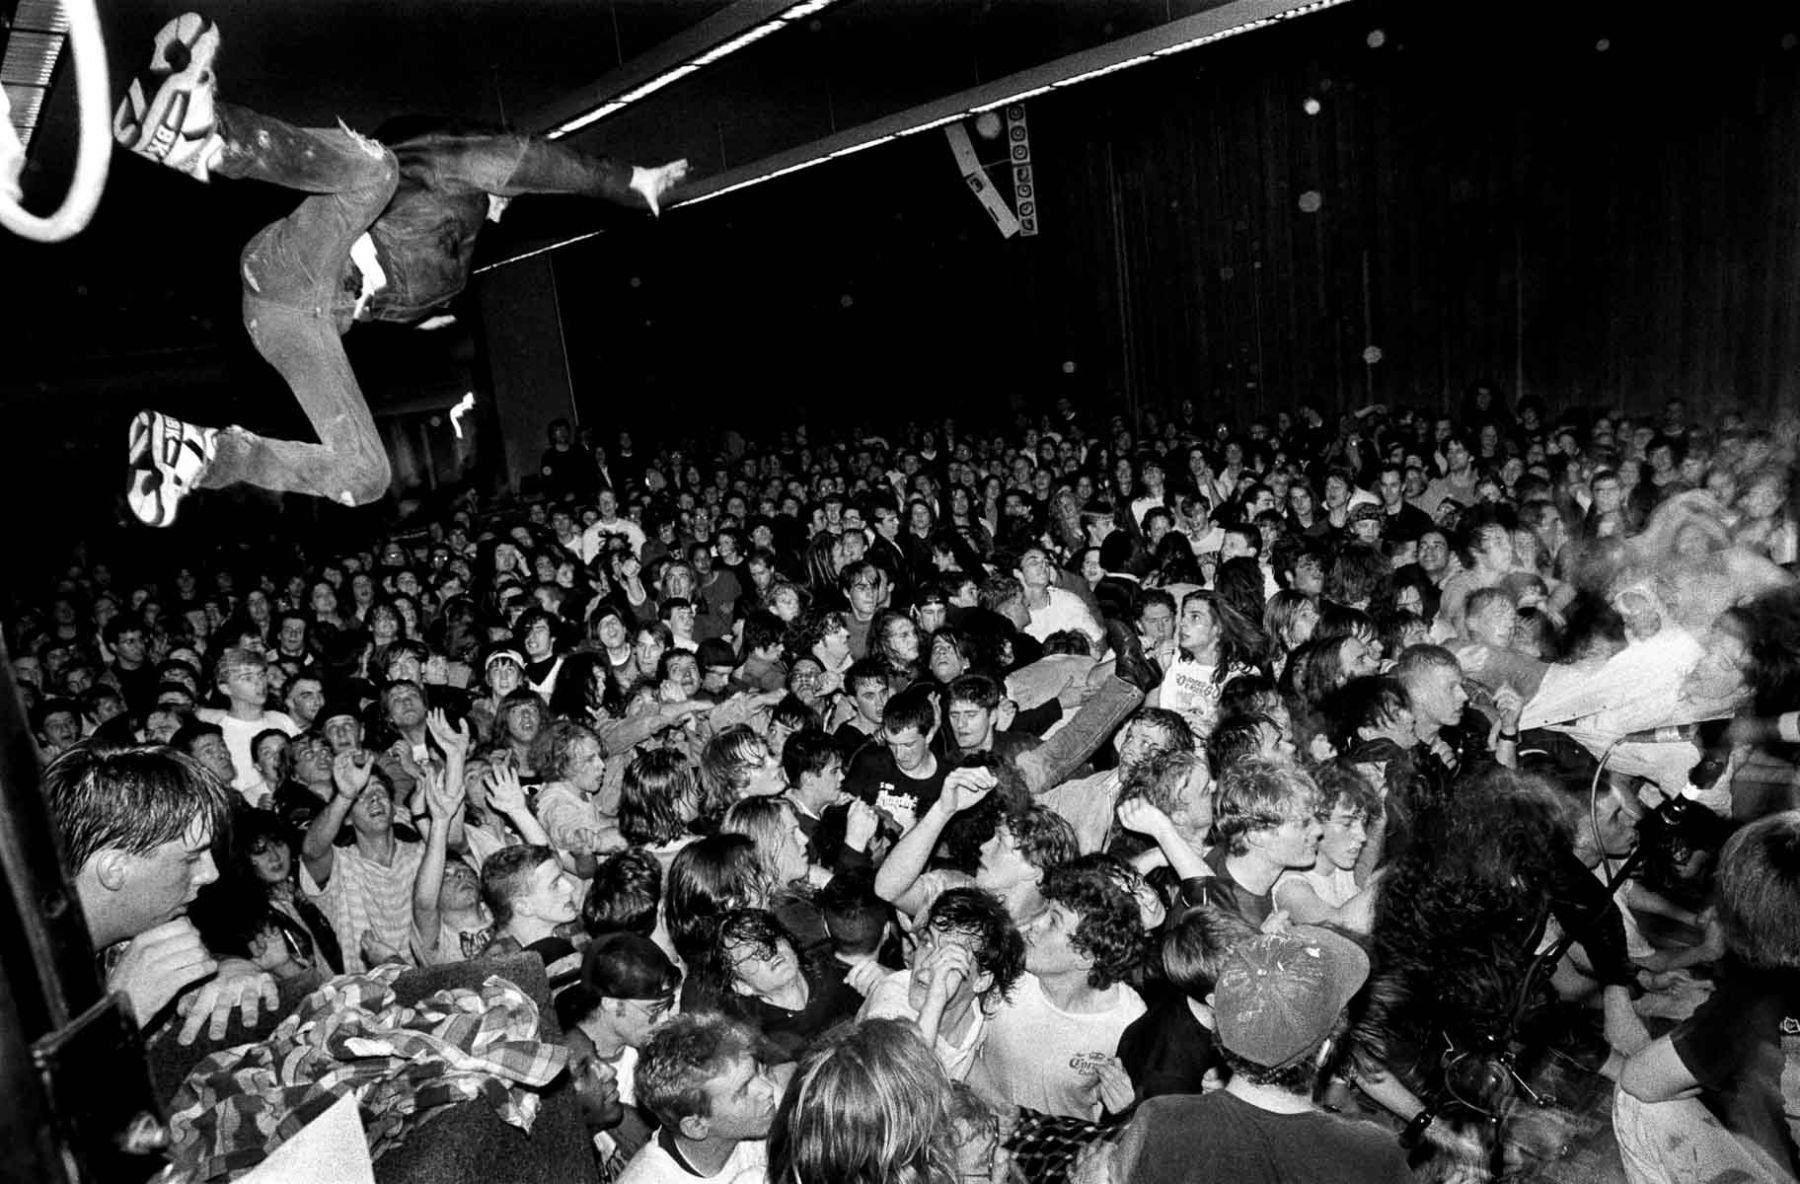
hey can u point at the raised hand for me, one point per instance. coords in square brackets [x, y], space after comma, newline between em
[1142, 816]
[453, 740]
[965, 787]
[350, 772]
[860, 824]
[505, 792]
[441, 798]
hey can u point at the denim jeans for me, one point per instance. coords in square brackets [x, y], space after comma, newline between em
[296, 308]
[1050, 763]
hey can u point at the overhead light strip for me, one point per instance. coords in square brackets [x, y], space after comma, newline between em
[611, 106]
[1026, 84]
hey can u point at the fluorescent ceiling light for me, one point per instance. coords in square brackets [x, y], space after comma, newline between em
[614, 104]
[1216, 24]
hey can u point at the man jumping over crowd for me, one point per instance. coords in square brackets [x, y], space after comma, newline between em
[386, 233]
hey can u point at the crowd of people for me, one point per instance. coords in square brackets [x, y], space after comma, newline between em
[1171, 800]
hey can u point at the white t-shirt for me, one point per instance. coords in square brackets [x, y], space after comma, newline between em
[888, 1000]
[238, 735]
[1030, 1043]
[1065, 611]
[1191, 691]
[657, 1162]
[1336, 888]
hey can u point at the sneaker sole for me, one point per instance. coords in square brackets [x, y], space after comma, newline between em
[156, 128]
[159, 448]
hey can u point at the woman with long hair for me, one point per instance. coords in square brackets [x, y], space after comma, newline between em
[781, 849]
[1213, 644]
[256, 909]
[707, 879]
[869, 1104]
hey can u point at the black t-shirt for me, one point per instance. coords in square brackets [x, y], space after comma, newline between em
[1220, 891]
[1168, 1051]
[1409, 522]
[1733, 1047]
[877, 780]
[1220, 1137]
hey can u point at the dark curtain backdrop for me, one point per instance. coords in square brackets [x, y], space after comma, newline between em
[1597, 204]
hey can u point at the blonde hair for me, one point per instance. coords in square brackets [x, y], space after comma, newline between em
[867, 1105]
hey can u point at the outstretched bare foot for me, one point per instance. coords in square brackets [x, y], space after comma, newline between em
[654, 183]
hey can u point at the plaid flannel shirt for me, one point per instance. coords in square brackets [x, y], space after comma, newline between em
[404, 1063]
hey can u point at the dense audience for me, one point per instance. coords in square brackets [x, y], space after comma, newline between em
[1165, 801]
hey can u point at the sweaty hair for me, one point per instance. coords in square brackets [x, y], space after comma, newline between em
[1107, 929]
[809, 751]
[133, 799]
[553, 749]
[1259, 793]
[979, 916]
[708, 878]
[727, 762]
[657, 785]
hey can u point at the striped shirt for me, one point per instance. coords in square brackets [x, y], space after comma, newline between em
[362, 896]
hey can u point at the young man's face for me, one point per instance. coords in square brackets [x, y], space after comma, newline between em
[406, 707]
[870, 696]
[908, 746]
[1003, 864]
[246, 684]
[159, 886]
[1438, 697]
[742, 1100]
[972, 725]
[1293, 843]
[550, 894]
[1345, 834]
[63, 728]
[1049, 942]
[212, 753]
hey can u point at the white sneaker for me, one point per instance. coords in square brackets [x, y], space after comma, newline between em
[175, 125]
[167, 458]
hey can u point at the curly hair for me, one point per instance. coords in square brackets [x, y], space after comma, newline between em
[1455, 922]
[1107, 930]
[979, 916]
[552, 752]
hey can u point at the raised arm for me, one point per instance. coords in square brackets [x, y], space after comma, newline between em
[506, 796]
[1140, 815]
[443, 801]
[455, 742]
[897, 880]
[349, 777]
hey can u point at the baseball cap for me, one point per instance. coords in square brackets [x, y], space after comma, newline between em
[628, 966]
[1279, 995]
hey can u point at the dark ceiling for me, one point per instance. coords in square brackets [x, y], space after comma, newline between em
[152, 275]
